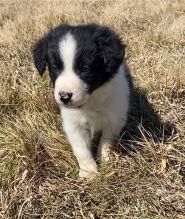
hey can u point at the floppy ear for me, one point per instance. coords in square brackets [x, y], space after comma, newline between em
[111, 49]
[40, 54]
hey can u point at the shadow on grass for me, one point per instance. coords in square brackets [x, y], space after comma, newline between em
[143, 123]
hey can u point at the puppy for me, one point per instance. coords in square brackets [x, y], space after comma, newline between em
[91, 86]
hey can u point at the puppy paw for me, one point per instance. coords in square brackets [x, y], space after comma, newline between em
[87, 174]
[103, 152]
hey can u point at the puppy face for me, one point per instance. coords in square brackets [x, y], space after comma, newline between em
[80, 59]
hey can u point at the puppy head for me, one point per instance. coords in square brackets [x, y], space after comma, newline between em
[80, 59]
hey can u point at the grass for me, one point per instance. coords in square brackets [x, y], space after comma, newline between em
[38, 172]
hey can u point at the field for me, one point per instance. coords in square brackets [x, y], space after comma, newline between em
[145, 177]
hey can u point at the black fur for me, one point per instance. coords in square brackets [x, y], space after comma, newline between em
[99, 53]
[40, 55]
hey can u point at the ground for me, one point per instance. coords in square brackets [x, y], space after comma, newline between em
[145, 177]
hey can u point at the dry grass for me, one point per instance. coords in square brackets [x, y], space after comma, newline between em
[38, 173]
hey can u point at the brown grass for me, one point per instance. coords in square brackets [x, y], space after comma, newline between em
[38, 173]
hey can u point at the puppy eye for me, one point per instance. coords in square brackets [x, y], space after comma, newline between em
[85, 68]
[54, 67]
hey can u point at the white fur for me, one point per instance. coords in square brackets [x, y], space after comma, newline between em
[67, 48]
[104, 110]
[68, 81]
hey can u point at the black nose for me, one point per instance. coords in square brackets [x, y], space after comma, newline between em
[65, 97]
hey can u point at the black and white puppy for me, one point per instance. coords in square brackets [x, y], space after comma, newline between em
[91, 86]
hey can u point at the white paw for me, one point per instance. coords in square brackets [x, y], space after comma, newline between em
[87, 174]
[105, 156]
[103, 152]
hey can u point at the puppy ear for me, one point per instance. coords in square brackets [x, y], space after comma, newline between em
[40, 54]
[111, 49]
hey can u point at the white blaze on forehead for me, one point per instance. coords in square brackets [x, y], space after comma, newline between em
[67, 48]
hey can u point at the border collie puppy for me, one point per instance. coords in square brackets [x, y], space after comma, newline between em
[91, 86]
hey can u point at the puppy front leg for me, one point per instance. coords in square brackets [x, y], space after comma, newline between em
[79, 138]
[109, 135]
[105, 145]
